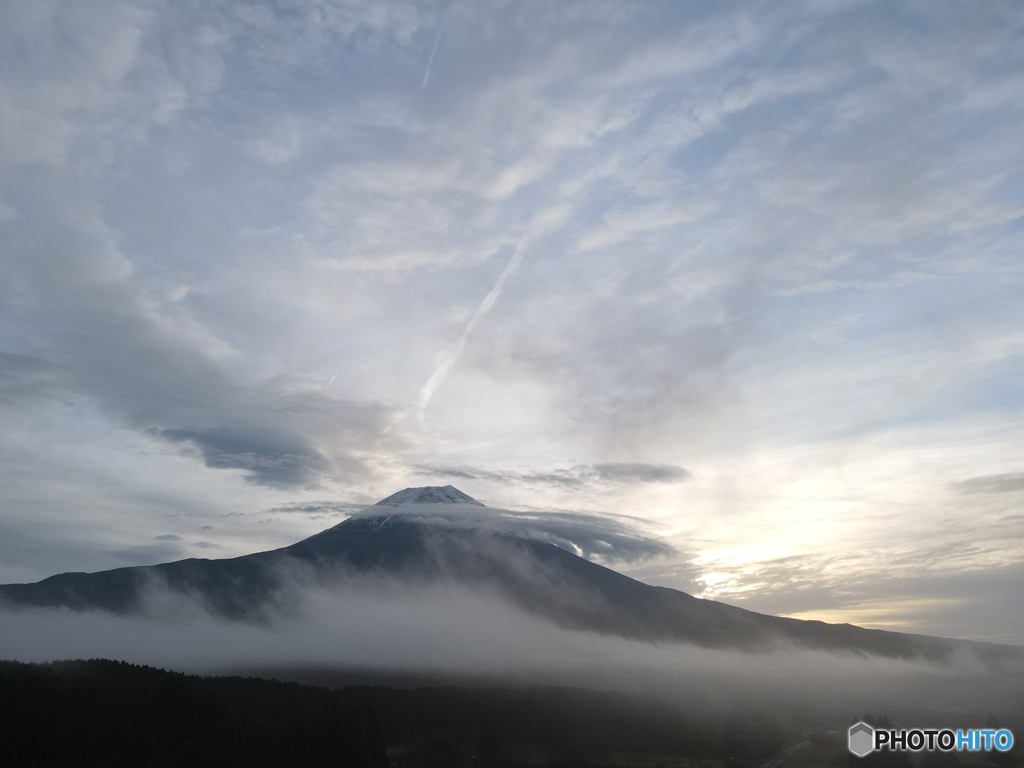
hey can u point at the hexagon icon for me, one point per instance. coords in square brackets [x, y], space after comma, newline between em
[861, 739]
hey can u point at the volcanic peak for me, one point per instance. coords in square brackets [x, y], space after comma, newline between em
[431, 494]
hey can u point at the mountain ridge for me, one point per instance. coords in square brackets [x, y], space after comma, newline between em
[535, 576]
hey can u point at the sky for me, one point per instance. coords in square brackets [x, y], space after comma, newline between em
[746, 277]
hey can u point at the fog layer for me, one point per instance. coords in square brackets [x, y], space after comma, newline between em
[452, 633]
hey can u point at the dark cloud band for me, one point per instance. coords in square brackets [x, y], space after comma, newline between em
[577, 476]
[1008, 483]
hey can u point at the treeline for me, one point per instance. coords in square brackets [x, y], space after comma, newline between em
[111, 714]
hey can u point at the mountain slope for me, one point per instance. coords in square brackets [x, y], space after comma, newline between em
[439, 535]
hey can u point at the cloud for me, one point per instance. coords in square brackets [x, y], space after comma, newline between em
[618, 226]
[1008, 483]
[167, 380]
[452, 633]
[577, 476]
[27, 378]
[318, 509]
[272, 457]
[604, 538]
[640, 473]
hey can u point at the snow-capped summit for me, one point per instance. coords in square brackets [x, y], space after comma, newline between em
[431, 494]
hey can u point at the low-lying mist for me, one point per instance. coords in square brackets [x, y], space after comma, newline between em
[455, 634]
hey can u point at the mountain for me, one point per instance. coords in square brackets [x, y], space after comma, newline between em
[429, 495]
[441, 535]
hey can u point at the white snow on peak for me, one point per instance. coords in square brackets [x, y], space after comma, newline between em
[431, 494]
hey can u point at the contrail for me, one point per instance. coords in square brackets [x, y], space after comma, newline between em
[331, 381]
[431, 61]
[449, 357]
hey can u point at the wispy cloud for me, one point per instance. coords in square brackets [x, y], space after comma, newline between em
[576, 476]
[1008, 483]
